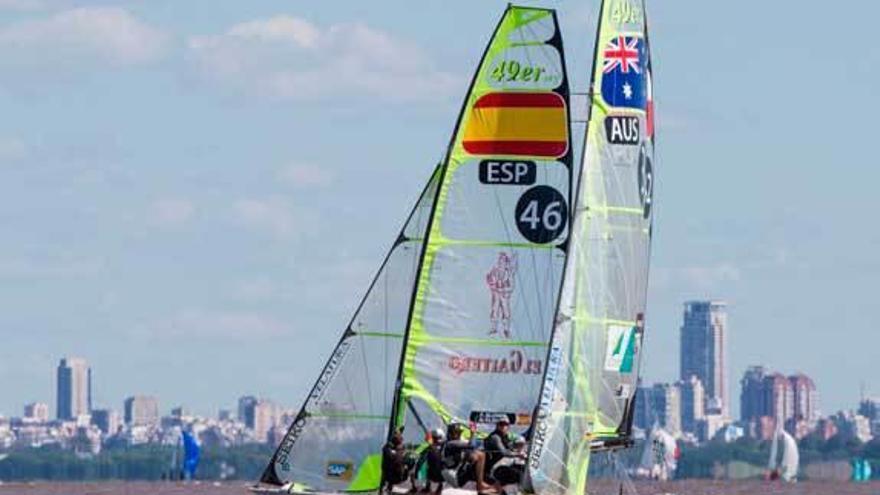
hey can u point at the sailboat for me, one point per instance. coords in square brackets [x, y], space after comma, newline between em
[786, 468]
[660, 455]
[516, 288]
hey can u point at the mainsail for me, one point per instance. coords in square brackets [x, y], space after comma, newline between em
[488, 285]
[335, 442]
[586, 401]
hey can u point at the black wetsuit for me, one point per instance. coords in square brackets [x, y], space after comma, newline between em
[497, 447]
[394, 468]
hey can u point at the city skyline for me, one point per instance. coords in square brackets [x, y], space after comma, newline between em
[168, 217]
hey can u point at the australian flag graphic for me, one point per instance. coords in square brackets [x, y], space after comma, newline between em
[623, 74]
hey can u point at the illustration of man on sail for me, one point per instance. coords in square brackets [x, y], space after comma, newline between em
[501, 282]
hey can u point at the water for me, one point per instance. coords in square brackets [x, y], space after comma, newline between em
[687, 487]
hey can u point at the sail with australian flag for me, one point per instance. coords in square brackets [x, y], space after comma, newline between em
[587, 397]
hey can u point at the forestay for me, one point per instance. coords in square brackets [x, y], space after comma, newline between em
[335, 442]
[587, 395]
[488, 287]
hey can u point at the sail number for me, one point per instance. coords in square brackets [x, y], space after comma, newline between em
[514, 71]
[624, 12]
[541, 214]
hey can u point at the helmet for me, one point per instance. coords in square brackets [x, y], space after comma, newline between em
[519, 440]
[438, 435]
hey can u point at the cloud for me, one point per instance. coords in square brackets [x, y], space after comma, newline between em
[172, 211]
[306, 175]
[274, 215]
[199, 323]
[289, 58]
[69, 38]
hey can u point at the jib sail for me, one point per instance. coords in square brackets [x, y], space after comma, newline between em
[587, 396]
[489, 282]
[335, 442]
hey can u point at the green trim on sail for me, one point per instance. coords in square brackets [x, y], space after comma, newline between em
[369, 474]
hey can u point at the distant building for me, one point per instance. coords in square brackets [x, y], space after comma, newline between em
[224, 415]
[74, 392]
[106, 420]
[870, 408]
[703, 349]
[853, 425]
[710, 425]
[37, 411]
[246, 410]
[805, 398]
[792, 402]
[141, 410]
[266, 416]
[693, 403]
[660, 405]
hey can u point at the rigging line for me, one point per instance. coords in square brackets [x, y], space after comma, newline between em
[367, 372]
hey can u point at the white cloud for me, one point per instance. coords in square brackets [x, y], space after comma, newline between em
[199, 323]
[273, 214]
[306, 175]
[289, 58]
[172, 211]
[106, 34]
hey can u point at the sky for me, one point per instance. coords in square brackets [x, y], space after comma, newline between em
[195, 194]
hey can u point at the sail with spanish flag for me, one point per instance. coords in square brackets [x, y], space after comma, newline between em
[586, 401]
[488, 285]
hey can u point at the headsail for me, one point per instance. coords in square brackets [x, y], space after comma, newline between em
[587, 395]
[335, 442]
[488, 286]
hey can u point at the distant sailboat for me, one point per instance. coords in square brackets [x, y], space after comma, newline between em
[506, 294]
[660, 455]
[786, 467]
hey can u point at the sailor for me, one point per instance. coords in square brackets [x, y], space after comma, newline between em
[395, 466]
[463, 461]
[497, 444]
[510, 470]
[434, 460]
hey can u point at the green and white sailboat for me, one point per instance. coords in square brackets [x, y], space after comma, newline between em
[516, 288]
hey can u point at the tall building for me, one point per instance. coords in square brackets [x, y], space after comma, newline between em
[266, 416]
[805, 398]
[107, 420]
[704, 351]
[659, 405]
[37, 411]
[752, 401]
[693, 403]
[74, 380]
[246, 410]
[142, 410]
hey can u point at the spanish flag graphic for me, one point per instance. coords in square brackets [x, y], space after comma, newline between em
[521, 124]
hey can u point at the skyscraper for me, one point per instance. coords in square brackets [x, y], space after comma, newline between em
[693, 403]
[142, 410]
[74, 380]
[659, 405]
[704, 351]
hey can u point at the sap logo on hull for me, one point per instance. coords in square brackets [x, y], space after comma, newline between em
[513, 173]
[341, 470]
[623, 129]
